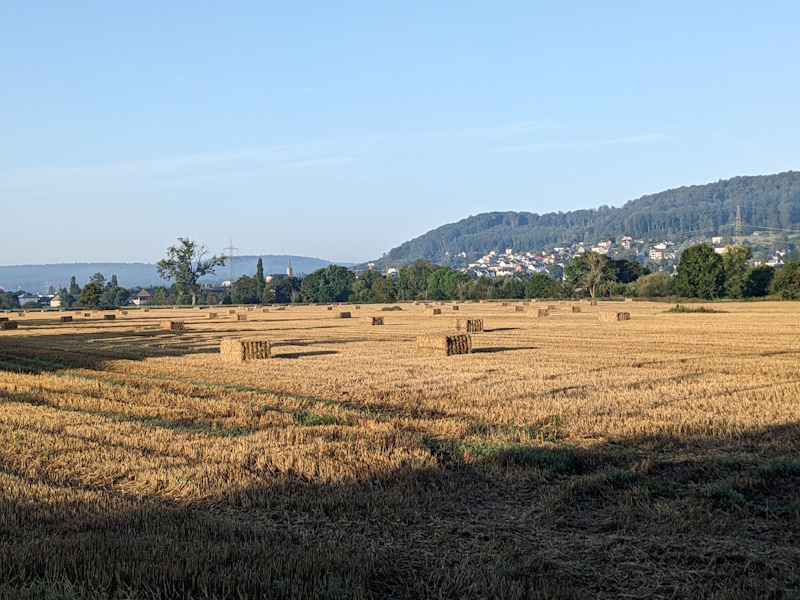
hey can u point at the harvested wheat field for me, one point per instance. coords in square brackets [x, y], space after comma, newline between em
[564, 457]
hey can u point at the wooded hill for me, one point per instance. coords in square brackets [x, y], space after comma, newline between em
[768, 203]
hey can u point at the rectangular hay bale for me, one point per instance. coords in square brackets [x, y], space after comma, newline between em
[212, 315]
[613, 317]
[372, 320]
[109, 317]
[542, 312]
[519, 309]
[66, 319]
[6, 325]
[571, 309]
[242, 317]
[455, 306]
[469, 325]
[445, 345]
[434, 311]
[343, 315]
[244, 350]
[171, 325]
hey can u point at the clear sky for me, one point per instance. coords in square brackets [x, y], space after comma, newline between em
[342, 129]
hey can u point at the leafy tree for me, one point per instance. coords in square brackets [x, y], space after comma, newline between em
[734, 264]
[626, 271]
[65, 298]
[246, 291]
[74, 288]
[9, 301]
[186, 263]
[383, 290]
[757, 280]
[700, 273]
[113, 283]
[268, 293]
[90, 295]
[654, 285]
[412, 280]
[590, 270]
[362, 287]
[114, 297]
[160, 297]
[540, 285]
[287, 290]
[456, 285]
[31, 304]
[786, 282]
[331, 284]
[260, 280]
[98, 280]
[510, 288]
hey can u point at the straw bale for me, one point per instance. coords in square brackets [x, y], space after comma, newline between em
[541, 312]
[504, 304]
[241, 317]
[469, 325]
[145, 310]
[445, 345]
[519, 309]
[263, 310]
[66, 319]
[329, 307]
[109, 317]
[343, 315]
[434, 311]
[123, 312]
[628, 299]
[551, 307]
[615, 316]
[372, 320]
[244, 350]
[3, 319]
[455, 306]
[249, 309]
[357, 307]
[87, 314]
[589, 302]
[571, 309]
[232, 311]
[8, 325]
[171, 325]
[212, 315]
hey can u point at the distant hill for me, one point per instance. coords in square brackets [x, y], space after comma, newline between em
[768, 203]
[35, 278]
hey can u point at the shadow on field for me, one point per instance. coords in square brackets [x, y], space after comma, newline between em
[653, 516]
[304, 354]
[502, 349]
[496, 329]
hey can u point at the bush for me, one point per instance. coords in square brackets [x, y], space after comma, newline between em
[655, 285]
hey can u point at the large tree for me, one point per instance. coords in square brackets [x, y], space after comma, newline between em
[786, 282]
[734, 263]
[186, 263]
[700, 273]
[590, 270]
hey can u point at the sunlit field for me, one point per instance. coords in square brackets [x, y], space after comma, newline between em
[566, 456]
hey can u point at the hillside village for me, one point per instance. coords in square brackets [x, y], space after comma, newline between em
[661, 256]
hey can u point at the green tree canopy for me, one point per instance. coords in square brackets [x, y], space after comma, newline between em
[90, 295]
[786, 282]
[757, 281]
[700, 273]
[186, 263]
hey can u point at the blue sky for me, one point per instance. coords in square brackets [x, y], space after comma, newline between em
[342, 129]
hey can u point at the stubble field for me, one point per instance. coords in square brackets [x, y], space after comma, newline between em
[565, 457]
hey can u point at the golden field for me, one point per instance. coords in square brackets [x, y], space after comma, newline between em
[567, 456]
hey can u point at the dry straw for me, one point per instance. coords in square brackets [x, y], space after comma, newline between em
[263, 310]
[628, 299]
[372, 320]
[504, 304]
[571, 309]
[434, 311]
[8, 325]
[232, 311]
[469, 325]
[615, 316]
[212, 315]
[343, 315]
[542, 312]
[445, 345]
[242, 317]
[589, 302]
[109, 317]
[244, 350]
[171, 325]
[66, 319]
[145, 310]
[519, 309]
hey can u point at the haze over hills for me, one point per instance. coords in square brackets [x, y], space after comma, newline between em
[36, 278]
[768, 203]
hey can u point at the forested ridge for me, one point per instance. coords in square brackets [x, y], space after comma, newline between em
[768, 202]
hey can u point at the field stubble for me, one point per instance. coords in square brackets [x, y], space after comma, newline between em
[565, 456]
